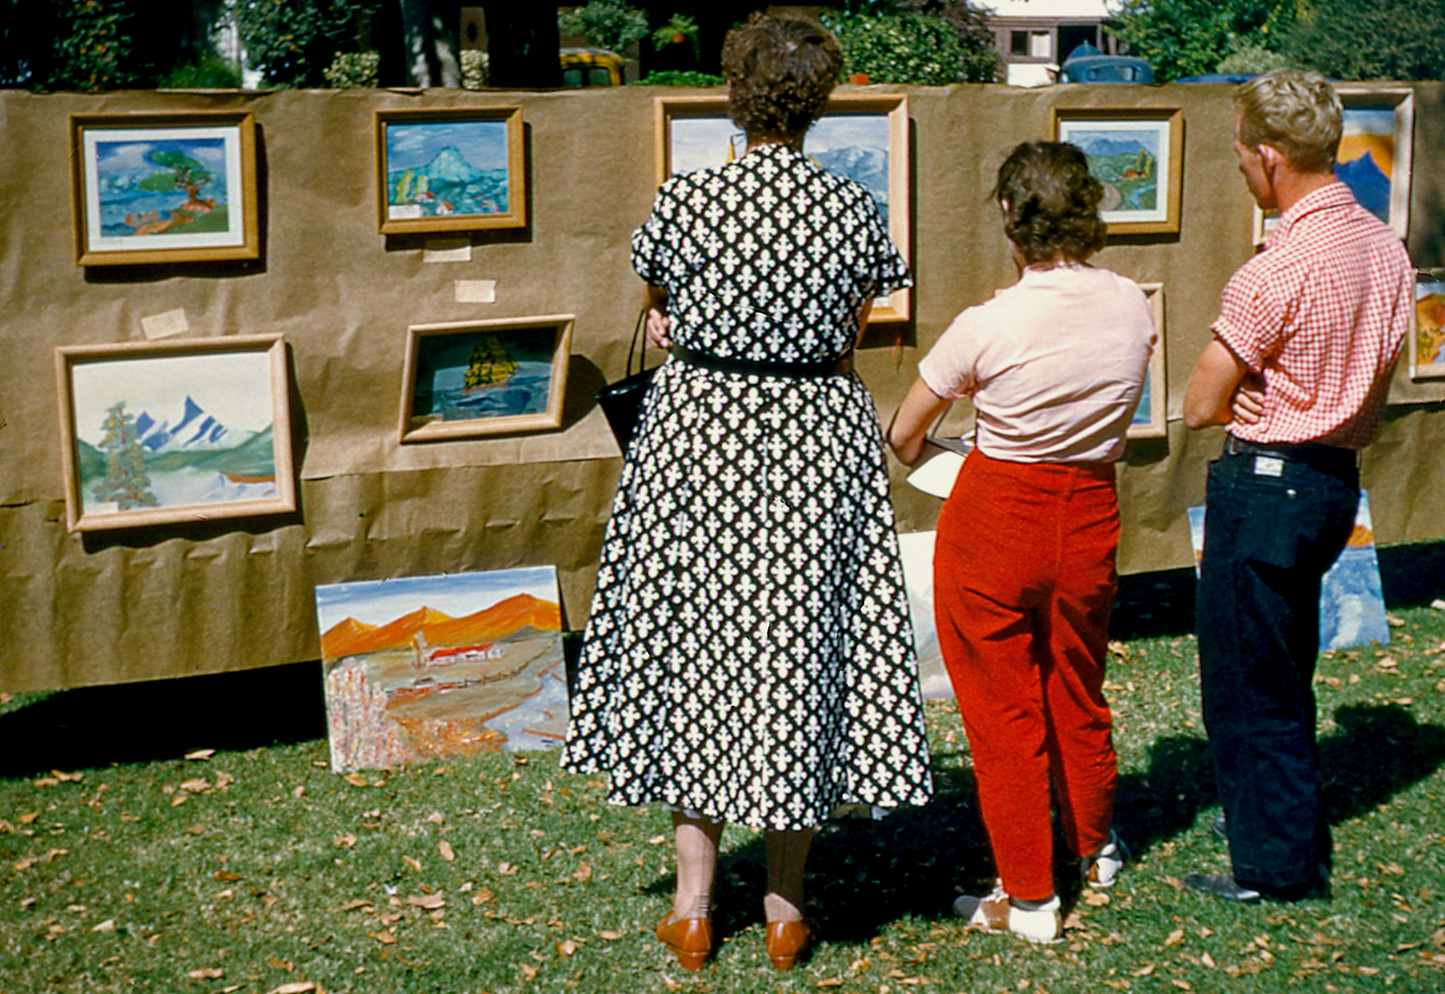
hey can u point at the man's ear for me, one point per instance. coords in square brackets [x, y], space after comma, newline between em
[1270, 158]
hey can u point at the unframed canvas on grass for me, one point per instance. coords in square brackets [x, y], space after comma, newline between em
[450, 170]
[434, 667]
[471, 378]
[862, 137]
[164, 188]
[1136, 155]
[1352, 598]
[175, 431]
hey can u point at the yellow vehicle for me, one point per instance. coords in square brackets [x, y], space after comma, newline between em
[591, 67]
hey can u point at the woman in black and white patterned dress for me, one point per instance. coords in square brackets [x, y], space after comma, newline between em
[749, 656]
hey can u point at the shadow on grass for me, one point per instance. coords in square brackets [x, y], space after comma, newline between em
[863, 875]
[163, 719]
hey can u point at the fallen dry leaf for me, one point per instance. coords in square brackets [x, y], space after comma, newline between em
[356, 780]
[225, 895]
[482, 896]
[23, 864]
[280, 964]
[359, 902]
[506, 869]
[1183, 985]
[415, 864]
[1094, 899]
[1175, 937]
[295, 987]
[67, 777]
[206, 972]
[344, 841]
[225, 877]
[385, 938]
[200, 755]
[195, 785]
[657, 840]
[106, 926]
[830, 982]
[181, 798]
[299, 793]
[566, 948]
[445, 849]
[611, 936]
[428, 901]
[1393, 621]
[1207, 960]
[28, 818]
[435, 818]
[1144, 970]
[528, 970]
[583, 874]
[46, 782]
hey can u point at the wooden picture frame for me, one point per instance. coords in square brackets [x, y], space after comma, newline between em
[518, 373]
[1427, 326]
[164, 188]
[209, 435]
[1375, 157]
[1151, 419]
[454, 169]
[693, 132]
[1138, 154]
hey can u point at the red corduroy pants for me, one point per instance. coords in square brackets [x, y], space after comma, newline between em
[1024, 583]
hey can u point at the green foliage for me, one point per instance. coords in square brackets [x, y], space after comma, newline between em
[353, 69]
[1371, 39]
[678, 26]
[292, 42]
[679, 77]
[909, 48]
[1190, 37]
[208, 73]
[609, 24]
[93, 54]
[1253, 59]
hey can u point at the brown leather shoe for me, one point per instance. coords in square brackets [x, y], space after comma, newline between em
[689, 939]
[786, 942]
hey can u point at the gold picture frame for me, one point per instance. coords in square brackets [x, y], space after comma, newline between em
[453, 169]
[164, 188]
[1138, 154]
[207, 434]
[1151, 418]
[501, 376]
[694, 132]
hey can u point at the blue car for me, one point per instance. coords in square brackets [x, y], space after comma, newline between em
[1086, 64]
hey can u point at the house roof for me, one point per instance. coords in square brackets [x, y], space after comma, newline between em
[1047, 8]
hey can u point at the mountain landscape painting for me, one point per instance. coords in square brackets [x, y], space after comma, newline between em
[447, 168]
[1125, 157]
[174, 431]
[1366, 159]
[434, 667]
[854, 146]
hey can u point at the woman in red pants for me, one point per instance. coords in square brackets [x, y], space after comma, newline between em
[1024, 574]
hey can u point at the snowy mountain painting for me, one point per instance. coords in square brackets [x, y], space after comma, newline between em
[446, 168]
[174, 431]
[854, 146]
[1367, 157]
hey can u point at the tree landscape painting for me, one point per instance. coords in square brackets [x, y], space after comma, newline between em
[450, 171]
[176, 435]
[1427, 340]
[165, 191]
[434, 667]
[1125, 159]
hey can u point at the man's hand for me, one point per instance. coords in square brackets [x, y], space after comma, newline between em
[1247, 403]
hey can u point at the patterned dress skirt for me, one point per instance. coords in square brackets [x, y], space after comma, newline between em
[749, 654]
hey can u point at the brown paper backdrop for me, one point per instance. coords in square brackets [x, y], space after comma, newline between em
[180, 600]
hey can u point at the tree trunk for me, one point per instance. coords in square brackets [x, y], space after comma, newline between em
[430, 31]
[522, 45]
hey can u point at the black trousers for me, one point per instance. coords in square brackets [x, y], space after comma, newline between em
[1273, 526]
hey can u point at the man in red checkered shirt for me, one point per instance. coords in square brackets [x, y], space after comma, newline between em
[1303, 349]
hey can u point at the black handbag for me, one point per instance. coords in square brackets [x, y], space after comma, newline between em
[622, 401]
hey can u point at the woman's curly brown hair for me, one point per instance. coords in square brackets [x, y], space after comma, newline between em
[780, 70]
[1050, 202]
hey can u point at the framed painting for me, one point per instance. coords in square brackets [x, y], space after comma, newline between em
[494, 377]
[1427, 329]
[450, 170]
[160, 188]
[436, 667]
[1137, 153]
[863, 137]
[167, 432]
[1151, 416]
[1376, 149]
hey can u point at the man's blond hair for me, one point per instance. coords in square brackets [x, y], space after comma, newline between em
[1295, 111]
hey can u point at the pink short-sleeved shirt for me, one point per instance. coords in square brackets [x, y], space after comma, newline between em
[1321, 312]
[1055, 364]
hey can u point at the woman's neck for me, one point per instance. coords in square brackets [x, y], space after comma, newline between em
[759, 141]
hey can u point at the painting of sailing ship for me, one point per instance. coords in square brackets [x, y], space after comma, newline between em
[438, 667]
[177, 431]
[162, 191]
[486, 377]
[450, 170]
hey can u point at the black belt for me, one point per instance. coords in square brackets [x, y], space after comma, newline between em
[1332, 459]
[788, 370]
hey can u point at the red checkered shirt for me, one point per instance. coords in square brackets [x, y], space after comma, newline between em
[1322, 313]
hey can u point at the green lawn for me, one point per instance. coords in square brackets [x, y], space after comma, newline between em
[257, 870]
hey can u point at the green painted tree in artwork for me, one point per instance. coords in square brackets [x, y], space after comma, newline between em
[126, 481]
[181, 172]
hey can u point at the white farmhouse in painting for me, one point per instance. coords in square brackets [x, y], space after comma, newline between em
[1034, 37]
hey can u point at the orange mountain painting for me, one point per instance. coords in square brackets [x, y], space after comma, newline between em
[437, 667]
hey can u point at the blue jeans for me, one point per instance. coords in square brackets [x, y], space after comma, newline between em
[1272, 528]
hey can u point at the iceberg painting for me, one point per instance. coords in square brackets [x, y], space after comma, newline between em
[451, 170]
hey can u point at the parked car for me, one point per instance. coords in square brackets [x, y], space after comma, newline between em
[1086, 64]
[592, 67]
